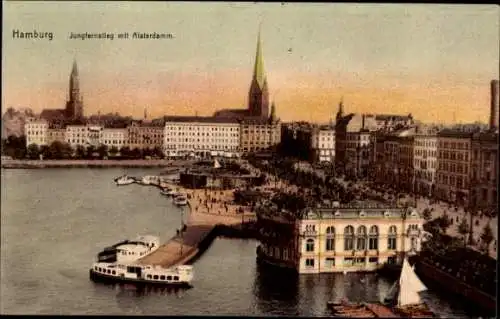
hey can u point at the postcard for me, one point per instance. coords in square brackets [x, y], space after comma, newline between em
[249, 159]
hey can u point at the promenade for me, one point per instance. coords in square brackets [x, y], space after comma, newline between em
[19, 164]
[207, 209]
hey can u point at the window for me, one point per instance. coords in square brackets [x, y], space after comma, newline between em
[309, 262]
[176, 277]
[155, 277]
[148, 276]
[310, 245]
[162, 277]
[359, 261]
[169, 277]
[373, 260]
[391, 239]
[330, 262]
[113, 272]
[330, 238]
[95, 268]
[349, 238]
[348, 261]
[361, 238]
[373, 238]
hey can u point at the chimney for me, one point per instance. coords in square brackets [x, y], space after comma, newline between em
[494, 110]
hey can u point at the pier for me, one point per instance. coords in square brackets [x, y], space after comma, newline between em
[200, 229]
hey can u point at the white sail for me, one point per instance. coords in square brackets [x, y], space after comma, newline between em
[409, 286]
[216, 164]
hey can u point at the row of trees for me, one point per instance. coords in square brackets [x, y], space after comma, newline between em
[62, 150]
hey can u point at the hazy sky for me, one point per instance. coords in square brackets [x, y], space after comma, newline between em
[435, 61]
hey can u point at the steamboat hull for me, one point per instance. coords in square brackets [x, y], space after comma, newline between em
[110, 279]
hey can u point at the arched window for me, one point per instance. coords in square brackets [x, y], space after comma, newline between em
[330, 238]
[310, 245]
[391, 238]
[373, 238]
[349, 238]
[361, 238]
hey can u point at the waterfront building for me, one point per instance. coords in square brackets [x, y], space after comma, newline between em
[76, 135]
[394, 158]
[56, 134]
[114, 137]
[339, 239]
[202, 136]
[453, 170]
[484, 171]
[36, 131]
[323, 144]
[353, 143]
[145, 134]
[258, 134]
[425, 163]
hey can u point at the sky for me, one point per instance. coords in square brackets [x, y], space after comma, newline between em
[434, 61]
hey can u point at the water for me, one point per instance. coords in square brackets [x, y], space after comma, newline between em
[53, 222]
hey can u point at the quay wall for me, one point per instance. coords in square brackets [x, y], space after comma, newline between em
[441, 280]
[23, 164]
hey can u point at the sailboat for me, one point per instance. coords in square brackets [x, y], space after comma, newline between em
[402, 300]
[404, 295]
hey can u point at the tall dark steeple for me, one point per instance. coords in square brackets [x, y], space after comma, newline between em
[340, 112]
[258, 97]
[272, 117]
[74, 105]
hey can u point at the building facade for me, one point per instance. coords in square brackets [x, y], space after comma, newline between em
[454, 166]
[56, 134]
[323, 144]
[341, 239]
[484, 171]
[142, 135]
[114, 137]
[425, 163]
[36, 131]
[258, 134]
[203, 136]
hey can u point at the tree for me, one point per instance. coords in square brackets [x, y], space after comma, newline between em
[102, 150]
[125, 151]
[80, 151]
[33, 151]
[443, 223]
[59, 150]
[113, 150]
[158, 152]
[45, 151]
[487, 237]
[90, 151]
[136, 153]
[463, 229]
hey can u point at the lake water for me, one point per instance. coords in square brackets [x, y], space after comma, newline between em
[54, 221]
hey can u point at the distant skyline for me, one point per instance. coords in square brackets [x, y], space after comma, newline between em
[434, 61]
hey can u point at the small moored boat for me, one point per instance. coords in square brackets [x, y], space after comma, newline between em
[180, 200]
[124, 180]
[166, 191]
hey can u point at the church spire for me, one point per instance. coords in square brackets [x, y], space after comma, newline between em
[340, 112]
[258, 72]
[272, 117]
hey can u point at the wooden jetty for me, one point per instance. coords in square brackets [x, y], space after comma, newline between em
[187, 245]
[180, 249]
